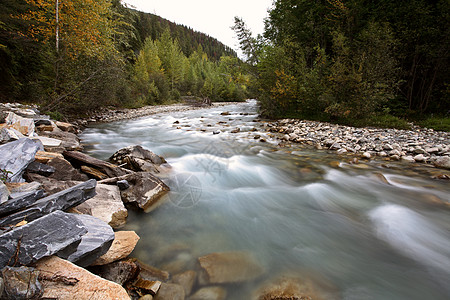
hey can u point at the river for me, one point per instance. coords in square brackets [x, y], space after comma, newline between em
[364, 231]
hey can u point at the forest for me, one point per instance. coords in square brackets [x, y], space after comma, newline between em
[71, 57]
[358, 62]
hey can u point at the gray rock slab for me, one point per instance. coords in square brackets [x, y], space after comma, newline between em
[39, 168]
[94, 243]
[43, 237]
[17, 155]
[4, 193]
[60, 201]
[20, 201]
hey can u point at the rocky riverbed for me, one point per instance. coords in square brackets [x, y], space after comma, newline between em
[415, 145]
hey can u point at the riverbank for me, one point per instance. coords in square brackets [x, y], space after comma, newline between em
[417, 145]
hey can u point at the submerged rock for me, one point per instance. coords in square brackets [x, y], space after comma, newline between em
[229, 267]
[43, 237]
[170, 291]
[210, 293]
[63, 280]
[16, 156]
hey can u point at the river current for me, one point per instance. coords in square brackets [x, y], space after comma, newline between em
[372, 230]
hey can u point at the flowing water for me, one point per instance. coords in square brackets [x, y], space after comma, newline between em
[360, 234]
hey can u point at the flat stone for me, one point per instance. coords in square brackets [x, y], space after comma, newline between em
[64, 171]
[148, 286]
[41, 169]
[93, 173]
[75, 282]
[210, 293]
[229, 267]
[60, 201]
[16, 156]
[151, 273]
[23, 187]
[170, 291]
[70, 141]
[9, 134]
[408, 158]
[65, 126]
[107, 205]
[20, 201]
[21, 283]
[49, 142]
[123, 244]
[43, 237]
[119, 272]
[94, 243]
[44, 157]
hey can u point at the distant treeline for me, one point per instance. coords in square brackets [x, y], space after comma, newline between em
[79, 55]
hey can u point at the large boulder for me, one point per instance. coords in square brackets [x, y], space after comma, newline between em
[63, 280]
[94, 243]
[138, 159]
[16, 156]
[145, 189]
[60, 201]
[21, 283]
[229, 267]
[107, 205]
[123, 244]
[43, 237]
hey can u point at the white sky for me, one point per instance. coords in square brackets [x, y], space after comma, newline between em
[211, 17]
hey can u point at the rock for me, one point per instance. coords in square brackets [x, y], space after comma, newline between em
[19, 202]
[105, 167]
[65, 281]
[186, 280]
[41, 169]
[107, 205]
[335, 146]
[93, 172]
[216, 132]
[146, 297]
[21, 283]
[170, 291]
[366, 155]
[147, 286]
[2, 287]
[94, 243]
[152, 273]
[65, 126]
[64, 171]
[288, 288]
[123, 244]
[43, 237]
[49, 143]
[210, 293]
[123, 185]
[23, 187]
[69, 141]
[16, 156]
[443, 162]
[432, 150]
[119, 272]
[44, 157]
[229, 267]
[9, 134]
[236, 130]
[4, 194]
[419, 158]
[145, 191]
[24, 125]
[138, 159]
[60, 201]
[342, 151]
[408, 158]
[225, 113]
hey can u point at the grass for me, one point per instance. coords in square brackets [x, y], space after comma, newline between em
[436, 123]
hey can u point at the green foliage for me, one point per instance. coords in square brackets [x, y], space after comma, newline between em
[4, 174]
[436, 123]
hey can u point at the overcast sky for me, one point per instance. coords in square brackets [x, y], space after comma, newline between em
[211, 17]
